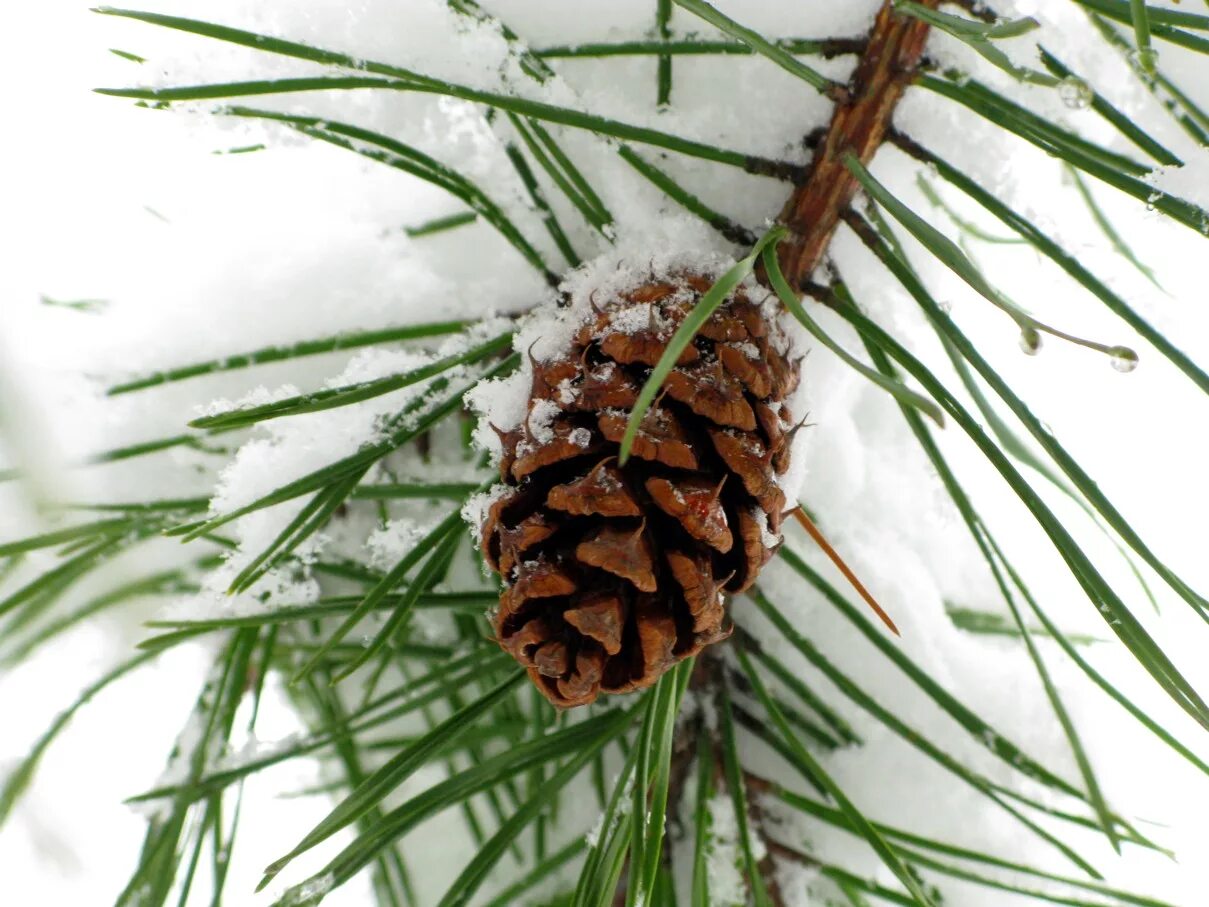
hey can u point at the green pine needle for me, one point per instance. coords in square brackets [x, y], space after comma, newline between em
[717, 294]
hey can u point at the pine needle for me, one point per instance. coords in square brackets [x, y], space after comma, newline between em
[799, 514]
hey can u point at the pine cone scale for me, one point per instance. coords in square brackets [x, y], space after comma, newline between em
[624, 552]
[602, 492]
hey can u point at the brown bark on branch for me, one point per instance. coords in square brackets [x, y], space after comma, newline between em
[858, 125]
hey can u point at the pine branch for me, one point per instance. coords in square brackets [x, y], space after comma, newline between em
[520, 758]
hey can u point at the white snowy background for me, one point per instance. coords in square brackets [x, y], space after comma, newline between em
[198, 254]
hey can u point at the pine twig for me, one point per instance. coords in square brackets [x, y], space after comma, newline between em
[858, 126]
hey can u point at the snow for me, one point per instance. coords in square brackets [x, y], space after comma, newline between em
[309, 892]
[540, 421]
[633, 318]
[388, 544]
[201, 255]
[625, 803]
[723, 858]
[477, 505]
[768, 538]
[567, 393]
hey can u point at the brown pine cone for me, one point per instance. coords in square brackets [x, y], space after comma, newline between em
[614, 573]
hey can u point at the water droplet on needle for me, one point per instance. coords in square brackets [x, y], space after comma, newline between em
[1124, 359]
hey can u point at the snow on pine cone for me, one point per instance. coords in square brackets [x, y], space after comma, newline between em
[612, 573]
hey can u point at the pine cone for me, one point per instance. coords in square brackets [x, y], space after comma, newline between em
[614, 573]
